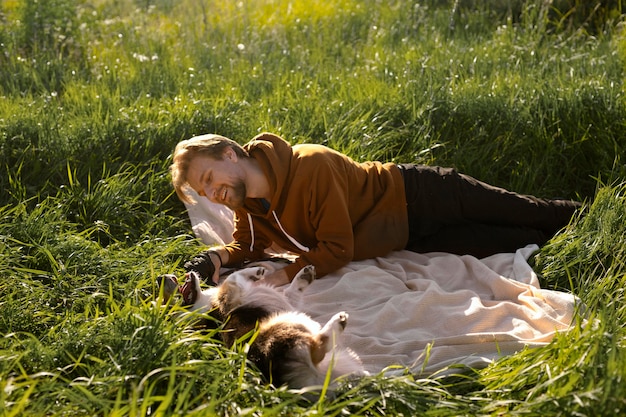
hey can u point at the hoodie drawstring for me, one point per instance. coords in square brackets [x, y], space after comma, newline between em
[251, 232]
[291, 239]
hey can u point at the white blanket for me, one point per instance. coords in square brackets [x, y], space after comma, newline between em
[430, 311]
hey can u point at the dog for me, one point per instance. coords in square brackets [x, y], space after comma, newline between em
[287, 346]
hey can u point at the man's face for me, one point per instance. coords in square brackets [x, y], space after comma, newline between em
[219, 180]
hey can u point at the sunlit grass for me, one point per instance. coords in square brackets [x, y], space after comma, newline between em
[96, 94]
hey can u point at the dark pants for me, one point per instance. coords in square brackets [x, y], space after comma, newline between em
[453, 212]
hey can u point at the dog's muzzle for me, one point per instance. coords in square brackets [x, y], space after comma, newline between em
[169, 283]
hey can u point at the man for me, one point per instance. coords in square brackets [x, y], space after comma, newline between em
[329, 210]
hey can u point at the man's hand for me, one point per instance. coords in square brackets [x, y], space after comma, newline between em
[275, 279]
[207, 264]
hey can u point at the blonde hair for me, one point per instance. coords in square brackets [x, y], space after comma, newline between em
[210, 145]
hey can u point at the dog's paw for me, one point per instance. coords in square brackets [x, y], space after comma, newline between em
[341, 319]
[304, 277]
[258, 274]
[331, 330]
[307, 273]
[336, 324]
[247, 275]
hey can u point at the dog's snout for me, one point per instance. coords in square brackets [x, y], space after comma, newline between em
[169, 284]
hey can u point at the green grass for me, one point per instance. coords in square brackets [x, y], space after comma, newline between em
[96, 93]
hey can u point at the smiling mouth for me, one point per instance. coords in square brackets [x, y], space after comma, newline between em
[223, 196]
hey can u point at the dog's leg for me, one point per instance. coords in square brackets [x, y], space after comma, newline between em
[302, 280]
[325, 339]
[335, 326]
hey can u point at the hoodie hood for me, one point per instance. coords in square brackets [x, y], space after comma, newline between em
[274, 155]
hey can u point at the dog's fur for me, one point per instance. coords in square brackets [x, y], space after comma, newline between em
[288, 346]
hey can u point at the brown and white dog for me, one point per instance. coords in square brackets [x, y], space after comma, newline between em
[287, 346]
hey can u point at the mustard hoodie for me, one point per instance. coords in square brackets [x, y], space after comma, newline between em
[325, 207]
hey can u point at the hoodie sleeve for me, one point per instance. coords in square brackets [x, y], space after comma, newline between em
[243, 248]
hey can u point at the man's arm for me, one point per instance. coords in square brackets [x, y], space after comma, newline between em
[329, 216]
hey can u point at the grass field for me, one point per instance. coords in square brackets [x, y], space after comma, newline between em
[525, 94]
